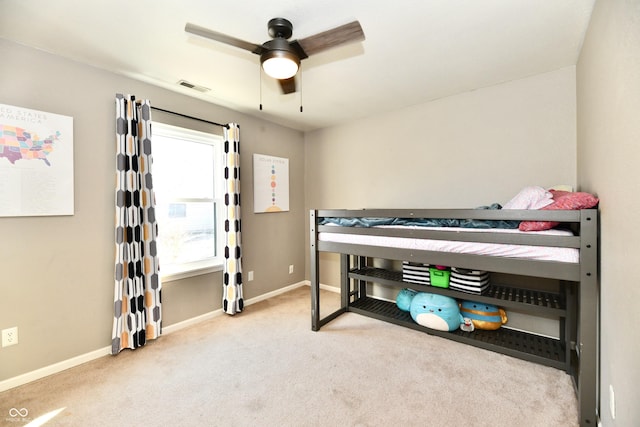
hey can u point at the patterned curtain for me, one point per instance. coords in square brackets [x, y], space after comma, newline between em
[137, 302]
[232, 301]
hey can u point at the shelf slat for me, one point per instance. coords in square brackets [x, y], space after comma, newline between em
[531, 347]
[505, 296]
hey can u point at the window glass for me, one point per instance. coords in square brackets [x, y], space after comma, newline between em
[187, 179]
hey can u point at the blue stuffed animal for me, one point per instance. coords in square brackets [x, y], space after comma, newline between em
[404, 298]
[435, 311]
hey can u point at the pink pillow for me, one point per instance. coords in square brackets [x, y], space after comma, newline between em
[564, 200]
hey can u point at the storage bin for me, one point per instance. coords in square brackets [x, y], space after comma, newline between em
[470, 281]
[415, 273]
[439, 276]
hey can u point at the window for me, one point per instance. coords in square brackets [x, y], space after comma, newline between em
[187, 179]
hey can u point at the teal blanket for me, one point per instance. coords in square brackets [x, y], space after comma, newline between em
[423, 222]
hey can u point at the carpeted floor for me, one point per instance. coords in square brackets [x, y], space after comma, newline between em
[265, 367]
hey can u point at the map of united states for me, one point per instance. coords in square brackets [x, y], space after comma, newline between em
[20, 144]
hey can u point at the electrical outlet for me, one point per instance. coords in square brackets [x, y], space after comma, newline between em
[9, 336]
[250, 276]
[291, 269]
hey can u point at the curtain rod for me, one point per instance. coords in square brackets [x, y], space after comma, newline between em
[189, 117]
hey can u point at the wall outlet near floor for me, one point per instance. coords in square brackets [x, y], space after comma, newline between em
[291, 269]
[9, 336]
[612, 402]
[250, 276]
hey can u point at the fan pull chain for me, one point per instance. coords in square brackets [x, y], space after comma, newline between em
[301, 88]
[260, 79]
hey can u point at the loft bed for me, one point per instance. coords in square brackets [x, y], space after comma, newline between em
[567, 254]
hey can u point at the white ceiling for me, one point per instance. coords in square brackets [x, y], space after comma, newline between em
[415, 50]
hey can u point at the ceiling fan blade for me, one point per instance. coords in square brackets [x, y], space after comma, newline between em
[223, 38]
[347, 33]
[288, 85]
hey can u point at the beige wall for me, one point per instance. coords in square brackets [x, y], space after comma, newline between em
[608, 91]
[452, 152]
[463, 151]
[56, 273]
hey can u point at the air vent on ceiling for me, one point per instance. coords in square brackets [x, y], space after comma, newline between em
[192, 86]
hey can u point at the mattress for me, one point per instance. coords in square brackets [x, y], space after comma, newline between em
[539, 253]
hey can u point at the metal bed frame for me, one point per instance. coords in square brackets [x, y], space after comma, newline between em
[576, 304]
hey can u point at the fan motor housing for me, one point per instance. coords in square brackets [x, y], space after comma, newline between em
[280, 27]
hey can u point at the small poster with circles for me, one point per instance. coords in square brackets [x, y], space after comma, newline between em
[270, 184]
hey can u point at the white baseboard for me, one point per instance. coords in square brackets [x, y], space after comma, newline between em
[324, 287]
[193, 321]
[106, 351]
[53, 369]
[329, 288]
[275, 293]
[212, 314]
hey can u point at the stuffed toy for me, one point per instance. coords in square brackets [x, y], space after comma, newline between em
[483, 316]
[404, 298]
[435, 311]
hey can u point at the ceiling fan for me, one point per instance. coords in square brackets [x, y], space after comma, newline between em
[280, 58]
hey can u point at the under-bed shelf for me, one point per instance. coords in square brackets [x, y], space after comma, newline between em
[540, 302]
[535, 348]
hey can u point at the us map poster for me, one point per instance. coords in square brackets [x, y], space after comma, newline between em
[270, 184]
[36, 162]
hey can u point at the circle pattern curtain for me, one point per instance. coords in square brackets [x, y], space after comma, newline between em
[232, 301]
[137, 293]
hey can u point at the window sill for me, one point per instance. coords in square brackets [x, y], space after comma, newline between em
[192, 272]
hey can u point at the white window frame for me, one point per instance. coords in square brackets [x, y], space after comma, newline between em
[208, 265]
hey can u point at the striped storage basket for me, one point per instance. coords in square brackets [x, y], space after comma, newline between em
[470, 281]
[415, 273]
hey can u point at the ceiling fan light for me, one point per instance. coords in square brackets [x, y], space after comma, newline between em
[280, 64]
